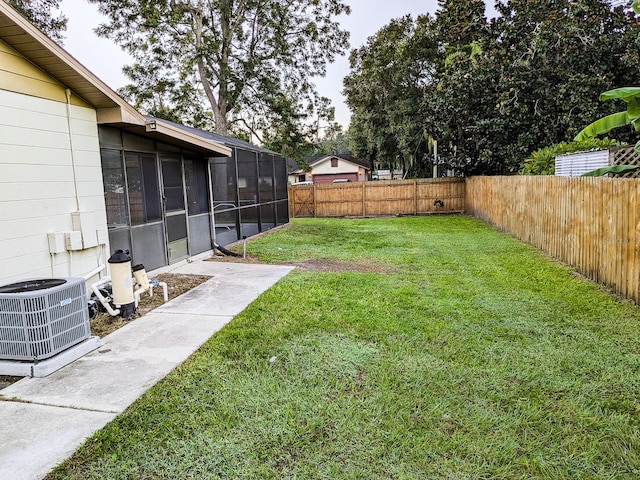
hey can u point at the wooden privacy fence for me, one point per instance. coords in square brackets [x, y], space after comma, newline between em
[361, 199]
[590, 223]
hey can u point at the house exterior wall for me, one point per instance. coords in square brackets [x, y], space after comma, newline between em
[323, 172]
[294, 178]
[352, 177]
[325, 168]
[50, 177]
[18, 75]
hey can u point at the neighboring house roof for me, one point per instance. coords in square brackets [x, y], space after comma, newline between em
[316, 159]
[292, 166]
[349, 158]
[48, 56]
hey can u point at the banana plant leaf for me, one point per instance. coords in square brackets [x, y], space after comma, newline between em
[603, 125]
[614, 169]
[623, 93]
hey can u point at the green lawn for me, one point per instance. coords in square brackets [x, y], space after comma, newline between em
[434, 347]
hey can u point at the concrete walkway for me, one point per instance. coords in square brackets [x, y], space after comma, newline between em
[44, 420]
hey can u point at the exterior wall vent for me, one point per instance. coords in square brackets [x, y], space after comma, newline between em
[40, 318]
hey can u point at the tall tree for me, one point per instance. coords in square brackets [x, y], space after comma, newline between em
[460, 22]
[384, 90]
[239, 57]
[459, 96]
[44, 14]
[334, 141]
[532, 81]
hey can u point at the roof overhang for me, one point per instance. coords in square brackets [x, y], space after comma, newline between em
[328, 157]
[52, 59]
[156, 128]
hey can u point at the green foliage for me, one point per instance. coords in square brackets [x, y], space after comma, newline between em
[543, 160]
[283, 131]
[334, 141]
[631, 96]
[604, 125]
[627, 94]
[419, 348]
[41, 14]
[384, 90]
[490, 92]
[456, 98]
[460, 23]
[615, 169]
[250, 62]
[533, 84]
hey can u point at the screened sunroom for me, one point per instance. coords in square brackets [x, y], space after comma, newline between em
[167, 201]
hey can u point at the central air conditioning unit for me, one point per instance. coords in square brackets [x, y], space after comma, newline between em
[40, 318]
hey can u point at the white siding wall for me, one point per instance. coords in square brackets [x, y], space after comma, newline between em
[325, 167]
[37, 188]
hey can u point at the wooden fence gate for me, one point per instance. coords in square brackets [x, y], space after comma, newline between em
[301, 201]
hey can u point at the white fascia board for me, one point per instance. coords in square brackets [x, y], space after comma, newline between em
[158, 126]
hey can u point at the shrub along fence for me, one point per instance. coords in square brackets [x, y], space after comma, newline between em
[361, 199]
[592, 224]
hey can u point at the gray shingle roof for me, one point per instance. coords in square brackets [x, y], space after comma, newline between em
[216, 137]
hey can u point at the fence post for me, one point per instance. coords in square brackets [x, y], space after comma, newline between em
[415, 196]
[315, 208]
[292, 202]
[364, 199]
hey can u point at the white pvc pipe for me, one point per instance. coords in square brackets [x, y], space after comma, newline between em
[104, 301]
[93, 272]
[165, 293]
[138, 293]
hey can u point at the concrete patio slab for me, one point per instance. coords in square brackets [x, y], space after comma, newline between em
[27, 433]
[132, 359]
[229, 291]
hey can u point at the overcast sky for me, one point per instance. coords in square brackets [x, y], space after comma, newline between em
[105, 59]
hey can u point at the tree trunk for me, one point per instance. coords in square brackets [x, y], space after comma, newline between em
[219, 105]
[222, 126]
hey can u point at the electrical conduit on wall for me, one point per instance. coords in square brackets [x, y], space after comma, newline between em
[73, 166]
[72, 149]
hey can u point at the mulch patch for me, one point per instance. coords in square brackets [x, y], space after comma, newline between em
[318, 264]
[177, 284]
[6, 380]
